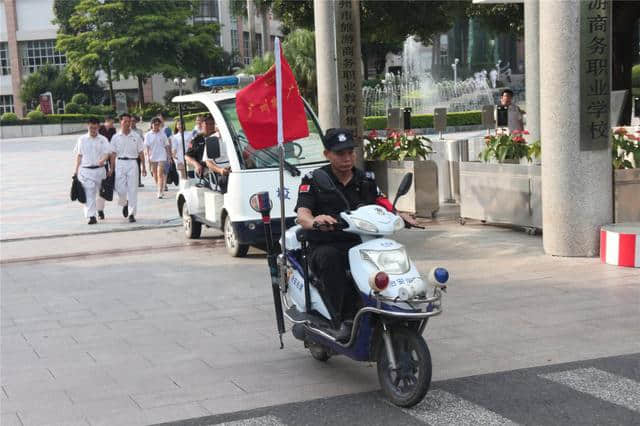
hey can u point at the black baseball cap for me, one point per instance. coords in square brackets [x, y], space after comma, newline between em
[338, 140]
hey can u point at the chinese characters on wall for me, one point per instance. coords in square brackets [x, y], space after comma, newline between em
[349, 74]
[595, 82]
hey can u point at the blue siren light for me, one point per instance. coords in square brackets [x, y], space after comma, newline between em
[441, 275]
[227, 80]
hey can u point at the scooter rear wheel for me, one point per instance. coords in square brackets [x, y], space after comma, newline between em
[408, 384]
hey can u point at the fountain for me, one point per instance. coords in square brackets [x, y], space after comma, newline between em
[416, 88]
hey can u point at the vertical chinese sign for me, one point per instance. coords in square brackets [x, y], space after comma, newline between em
[349, 66]
[595, 77]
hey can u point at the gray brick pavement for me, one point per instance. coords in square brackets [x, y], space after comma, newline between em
[154, 336]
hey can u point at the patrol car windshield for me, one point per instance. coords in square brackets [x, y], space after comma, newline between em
[300, 152]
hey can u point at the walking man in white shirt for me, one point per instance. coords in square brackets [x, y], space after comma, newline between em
[158, 153]
[128, 148]
[92, 152]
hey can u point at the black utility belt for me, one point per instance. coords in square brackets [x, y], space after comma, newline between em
[92, 167]
[126, 158]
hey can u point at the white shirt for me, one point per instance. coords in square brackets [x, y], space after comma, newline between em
[157, 144]
[176, 145]
[128, 146]
[223, 159]
[92, 149]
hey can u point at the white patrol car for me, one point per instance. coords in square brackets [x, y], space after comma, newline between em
[252, 171]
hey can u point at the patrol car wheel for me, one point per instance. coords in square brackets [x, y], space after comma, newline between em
[192, 228]
[234, 248]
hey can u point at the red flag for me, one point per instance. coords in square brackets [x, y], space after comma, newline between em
[256, 108]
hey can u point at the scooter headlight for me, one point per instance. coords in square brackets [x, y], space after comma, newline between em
[364, 225]
[389, 261]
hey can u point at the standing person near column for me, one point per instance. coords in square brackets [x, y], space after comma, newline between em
[128, 148]
[134, 128]
[92, 153]
[514, 112]
[107, 129]
[158, 153]
[176, 147]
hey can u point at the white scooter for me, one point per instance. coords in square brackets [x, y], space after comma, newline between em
[395, 302]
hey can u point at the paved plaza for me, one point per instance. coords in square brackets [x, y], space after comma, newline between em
[35, 175]
[145, 327]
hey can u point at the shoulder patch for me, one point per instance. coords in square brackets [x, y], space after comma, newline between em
[370, 175]
[305, 187]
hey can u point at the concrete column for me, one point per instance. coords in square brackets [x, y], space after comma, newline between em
[532, 66]
[576, 185]
[14, 55]
[326, 65]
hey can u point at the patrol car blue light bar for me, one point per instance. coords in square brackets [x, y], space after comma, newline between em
[228, 80]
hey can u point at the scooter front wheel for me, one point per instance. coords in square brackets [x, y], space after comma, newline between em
[409, 382]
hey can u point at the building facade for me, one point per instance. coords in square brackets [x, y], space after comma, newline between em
[28, 36]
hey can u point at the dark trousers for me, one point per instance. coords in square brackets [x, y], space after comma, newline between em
[329, 262]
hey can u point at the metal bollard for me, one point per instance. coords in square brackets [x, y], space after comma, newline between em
[407, 118]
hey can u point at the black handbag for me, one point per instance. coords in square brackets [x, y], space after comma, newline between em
[77, 191]
[106, 187]
[172, 175]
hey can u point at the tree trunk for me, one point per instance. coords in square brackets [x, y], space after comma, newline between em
[112, 97]
[266, 34]
[140, 91]
[251, 21]
[365, 64]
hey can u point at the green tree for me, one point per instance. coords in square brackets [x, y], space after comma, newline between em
[384, 25]
[61, 83]
[299, 49]
[138, 38]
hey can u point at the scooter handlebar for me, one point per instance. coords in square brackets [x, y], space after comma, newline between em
[330, 227]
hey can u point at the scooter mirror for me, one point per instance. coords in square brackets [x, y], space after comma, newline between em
[405, 184]
[260, 202]
[404, 187]
[323, 180]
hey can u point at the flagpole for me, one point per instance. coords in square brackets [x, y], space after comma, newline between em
[283, 224]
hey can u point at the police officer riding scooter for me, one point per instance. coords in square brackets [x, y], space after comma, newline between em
[319, 210]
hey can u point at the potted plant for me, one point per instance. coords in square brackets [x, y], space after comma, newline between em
[396, 153]
[504, 187]
[506, 147]
[625, 156]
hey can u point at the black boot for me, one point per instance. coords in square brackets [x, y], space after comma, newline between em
[344, 332]
[101, 214]
[132, 219]
[125, 210]
[92, 220]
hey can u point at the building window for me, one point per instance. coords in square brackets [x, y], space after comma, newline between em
[5, 66]
[259, 45]
[245, 48]
[234, 41]
[207, 11]
[6, 104]
[37, 53]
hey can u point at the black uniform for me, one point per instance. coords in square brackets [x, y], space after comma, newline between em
[329, 252]
[197, 148]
